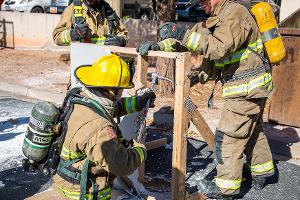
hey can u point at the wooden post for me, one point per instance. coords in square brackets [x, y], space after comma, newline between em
[142, 69]
[181, 120]
[141, 76]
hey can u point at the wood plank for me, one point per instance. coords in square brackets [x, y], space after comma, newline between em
[196, 196]
[141, 77]
[156, 143]
[285, 106]
[289, 31]
[181, 119]
[203, 129]
[132, 52]
[142, 69]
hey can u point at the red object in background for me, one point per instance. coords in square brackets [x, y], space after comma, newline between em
[1, 1]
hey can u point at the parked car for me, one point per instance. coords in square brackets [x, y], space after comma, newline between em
[188, 11]
[34, 6]
[57, 6]
[138, 9]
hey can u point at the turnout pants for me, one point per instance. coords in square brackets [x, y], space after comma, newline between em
[240, 132]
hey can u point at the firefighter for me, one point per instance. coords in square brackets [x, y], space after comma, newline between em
[94, 151]
[91, 21]
[234, 54]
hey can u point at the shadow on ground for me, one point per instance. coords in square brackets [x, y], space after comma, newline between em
[18, 185]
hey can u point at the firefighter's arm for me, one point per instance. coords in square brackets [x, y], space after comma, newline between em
[61, 33]
[127, 105]
[121, 30]
[105, 150]
[171, 45]
[227, 37]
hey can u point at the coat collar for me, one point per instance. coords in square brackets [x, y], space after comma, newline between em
[215, 16]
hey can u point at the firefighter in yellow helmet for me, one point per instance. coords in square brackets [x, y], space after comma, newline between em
[91, 21]
[94, 151]
[233, 53]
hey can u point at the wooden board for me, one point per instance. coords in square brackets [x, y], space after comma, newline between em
[285, 102]
[181, 119]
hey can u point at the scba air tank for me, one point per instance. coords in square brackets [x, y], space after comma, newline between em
[41, 129]
[268, 27]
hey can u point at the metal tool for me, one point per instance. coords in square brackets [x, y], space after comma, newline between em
[153, 77]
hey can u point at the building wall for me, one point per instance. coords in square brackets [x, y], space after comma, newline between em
[34, 30]
[288, 7]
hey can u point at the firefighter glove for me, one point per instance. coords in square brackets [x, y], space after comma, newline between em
[144, 47]
[115, 41]
[144, 98]
[171, 30]
[80, 31]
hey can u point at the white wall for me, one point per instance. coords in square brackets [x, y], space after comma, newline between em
[28, 29]
[288, 7]
[34, 30]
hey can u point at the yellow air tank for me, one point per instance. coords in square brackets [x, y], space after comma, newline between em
[268, 27]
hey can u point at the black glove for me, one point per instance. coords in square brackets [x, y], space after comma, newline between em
[144, 47]
[171, 30]
[143, 99]
[115, 41]
[80, 31]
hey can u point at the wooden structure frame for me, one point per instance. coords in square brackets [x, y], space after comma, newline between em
[181, 117]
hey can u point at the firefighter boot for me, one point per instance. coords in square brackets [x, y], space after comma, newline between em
[211, 190]
[258, 182]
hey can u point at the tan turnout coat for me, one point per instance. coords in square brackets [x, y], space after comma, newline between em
[98, 29]
[96, 137]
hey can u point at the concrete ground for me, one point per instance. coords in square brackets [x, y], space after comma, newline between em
[15, 184]
[43, 71]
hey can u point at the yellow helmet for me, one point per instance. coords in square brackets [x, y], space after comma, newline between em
[107, 72]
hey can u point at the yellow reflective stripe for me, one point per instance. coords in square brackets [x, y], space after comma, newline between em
[65, 37]
[99, 40]
[167, 45]
[270, 87]
[102, 194]
[67, 154]
[263, 167]
[77, 7]
[140, 152]
[193, 42]
[78, 11]
[240, 55]
[228, 184]
[248, 87]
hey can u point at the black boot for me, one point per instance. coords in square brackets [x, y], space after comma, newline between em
[211, 190]
[258, 182]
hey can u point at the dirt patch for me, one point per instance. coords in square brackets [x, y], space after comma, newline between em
[39, 69]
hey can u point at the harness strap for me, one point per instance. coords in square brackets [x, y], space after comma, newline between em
[69, 173]
[244, 74]
[83, 180]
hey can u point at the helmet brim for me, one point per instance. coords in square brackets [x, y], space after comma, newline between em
[83, 75]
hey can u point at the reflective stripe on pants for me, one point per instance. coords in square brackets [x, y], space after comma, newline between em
[228, 184]
[261, 168]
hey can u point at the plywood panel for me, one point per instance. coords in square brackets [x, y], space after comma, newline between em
[285, 102]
